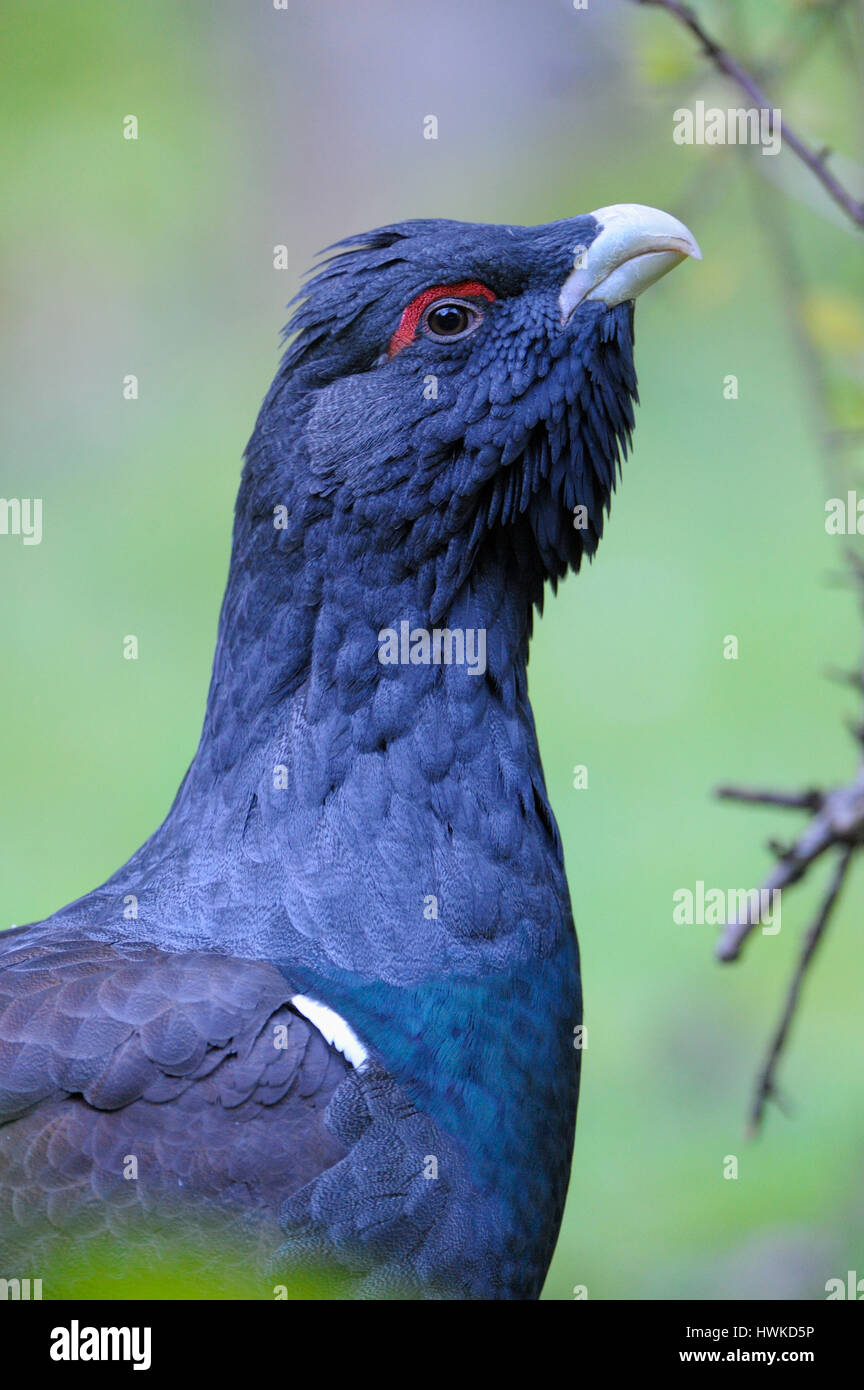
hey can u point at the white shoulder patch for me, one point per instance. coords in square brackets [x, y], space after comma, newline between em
[333, 1028]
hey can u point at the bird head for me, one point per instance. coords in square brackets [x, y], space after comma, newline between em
[459, 385]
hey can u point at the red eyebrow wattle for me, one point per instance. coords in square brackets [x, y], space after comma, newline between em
[412, 312]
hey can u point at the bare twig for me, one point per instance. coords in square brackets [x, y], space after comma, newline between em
[815, 159]
[798, 801]
[766, 1086]
[839, 677]
[840, 822]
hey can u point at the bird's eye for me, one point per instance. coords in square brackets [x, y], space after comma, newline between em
[442, 314]
[446, 319]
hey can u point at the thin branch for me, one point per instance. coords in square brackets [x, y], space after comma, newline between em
[798, 801]
[817, 838]
[766, 1088]
[723, 60]
[840, 677]
[838, 820]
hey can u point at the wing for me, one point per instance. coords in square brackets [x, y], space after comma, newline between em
[179, 1105]
[137, 1084]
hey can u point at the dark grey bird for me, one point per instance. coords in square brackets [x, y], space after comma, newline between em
[327, 1013]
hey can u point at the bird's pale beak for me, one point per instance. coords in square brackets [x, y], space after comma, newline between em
[635, 246]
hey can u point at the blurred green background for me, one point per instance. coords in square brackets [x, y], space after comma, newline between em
[261, 127]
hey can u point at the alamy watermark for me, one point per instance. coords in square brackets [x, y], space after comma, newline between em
[850, 1287]
[442, 646]
[77, 1343]
[20, 1290]
[714, 907]
[844, 516]
[22, 516]
[739, 125]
